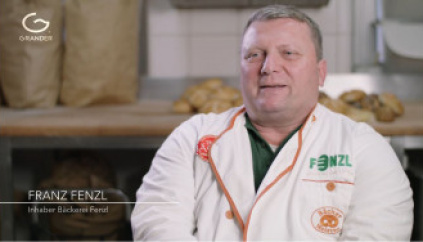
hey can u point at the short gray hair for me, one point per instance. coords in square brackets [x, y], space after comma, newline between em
[283, 11]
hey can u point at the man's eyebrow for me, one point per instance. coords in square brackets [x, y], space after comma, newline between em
[255, 47]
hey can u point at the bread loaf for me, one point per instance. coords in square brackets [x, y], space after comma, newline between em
[391, 101]
[352, 96]
[182, 106]
[361, 107]
[210, 95]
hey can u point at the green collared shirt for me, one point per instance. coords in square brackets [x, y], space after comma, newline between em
[262, 153]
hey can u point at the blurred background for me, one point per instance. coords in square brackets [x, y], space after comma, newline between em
[89, 89]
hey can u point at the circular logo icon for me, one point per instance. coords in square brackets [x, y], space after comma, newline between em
[203, 146]
[46, 23]
[327, 220]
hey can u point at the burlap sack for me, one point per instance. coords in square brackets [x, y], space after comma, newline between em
[30, 67]
[101, 52]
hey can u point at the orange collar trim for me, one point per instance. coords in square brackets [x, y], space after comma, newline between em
[217, 175]
[244, 228]
[282, 174]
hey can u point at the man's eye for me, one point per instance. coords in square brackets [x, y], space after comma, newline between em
[290, 54]
[254, 57]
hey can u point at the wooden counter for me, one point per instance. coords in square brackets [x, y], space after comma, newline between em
[146, 118]
[411, 123]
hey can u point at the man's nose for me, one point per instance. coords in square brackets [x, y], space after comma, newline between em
[272, 63]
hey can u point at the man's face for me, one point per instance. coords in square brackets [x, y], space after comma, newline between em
[279, 67]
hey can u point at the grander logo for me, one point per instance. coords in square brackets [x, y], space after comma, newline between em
[324, 161]
[38, 20]
[35, 29]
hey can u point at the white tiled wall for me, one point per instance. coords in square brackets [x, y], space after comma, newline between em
[200, 43]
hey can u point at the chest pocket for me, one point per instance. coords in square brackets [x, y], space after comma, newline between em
[325, 204]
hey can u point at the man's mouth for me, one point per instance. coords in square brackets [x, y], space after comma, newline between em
[271, 86]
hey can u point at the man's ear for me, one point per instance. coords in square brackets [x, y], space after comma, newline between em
[322, 65]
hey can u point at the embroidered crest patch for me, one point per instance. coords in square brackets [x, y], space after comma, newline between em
[327, 220]
[204, 145]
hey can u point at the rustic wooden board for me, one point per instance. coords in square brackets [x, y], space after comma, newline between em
[411, 123]
[147, 118]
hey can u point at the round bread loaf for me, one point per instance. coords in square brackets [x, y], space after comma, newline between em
[199, 97]
[196, 96]
[80, 170]
[212, 83]
[215, 106]
[384, 114]
[391, 101]
[359, 115]
[182, 106]
[352, 96]
[370, 102]
[226, 93]
[336, 105]
[189, 91]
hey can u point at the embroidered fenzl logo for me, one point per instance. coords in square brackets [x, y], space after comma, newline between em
[323, 162]
[327, 220]
[204, 145]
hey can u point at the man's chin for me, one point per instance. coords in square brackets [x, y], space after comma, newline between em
[268, 109]
[272, 107]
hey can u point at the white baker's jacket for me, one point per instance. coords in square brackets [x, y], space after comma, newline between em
[335, 179]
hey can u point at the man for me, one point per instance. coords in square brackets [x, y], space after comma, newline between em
[281, 168]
